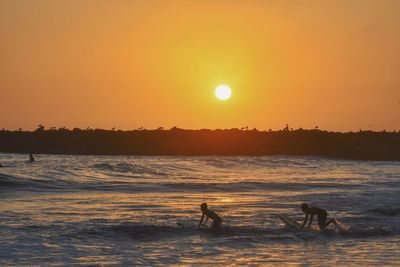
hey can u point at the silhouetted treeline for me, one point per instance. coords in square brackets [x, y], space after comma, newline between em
[352, 145]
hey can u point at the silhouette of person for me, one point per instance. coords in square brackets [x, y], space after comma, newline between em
[217, 221]
[31, 158]
[321, 216]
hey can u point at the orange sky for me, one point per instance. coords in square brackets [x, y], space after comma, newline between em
[130, 64]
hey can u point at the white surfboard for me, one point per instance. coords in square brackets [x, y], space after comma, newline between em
[290, 221]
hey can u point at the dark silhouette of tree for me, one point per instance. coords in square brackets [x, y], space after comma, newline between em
[355, 145]
[286, 128]
[40, 128]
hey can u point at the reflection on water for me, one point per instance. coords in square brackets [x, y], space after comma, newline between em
[66, 210]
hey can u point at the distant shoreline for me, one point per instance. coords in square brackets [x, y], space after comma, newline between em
[364, 145]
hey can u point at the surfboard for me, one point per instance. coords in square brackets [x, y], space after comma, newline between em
[289, 221]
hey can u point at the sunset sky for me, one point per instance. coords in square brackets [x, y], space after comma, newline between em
[129, 64]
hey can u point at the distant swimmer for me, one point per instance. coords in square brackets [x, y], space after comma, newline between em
[31, 158]
[321, 216]
[217, 221]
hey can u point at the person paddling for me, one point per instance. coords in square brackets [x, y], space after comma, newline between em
[320, 213]
[217, 221]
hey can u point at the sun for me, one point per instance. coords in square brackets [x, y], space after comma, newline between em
[223, 92]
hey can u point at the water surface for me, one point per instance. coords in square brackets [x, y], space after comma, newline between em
[100, 210]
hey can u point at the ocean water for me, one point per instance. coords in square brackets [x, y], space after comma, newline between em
[123, 210]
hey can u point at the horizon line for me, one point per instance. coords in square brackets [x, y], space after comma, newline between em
[244, 129]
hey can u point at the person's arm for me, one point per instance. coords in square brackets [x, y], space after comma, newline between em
[311, 218]
[305, 221]
[206, 220]
[201, 220]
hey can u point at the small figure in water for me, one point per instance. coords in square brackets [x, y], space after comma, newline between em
[217, 221]
[321, 216]
[31, 158]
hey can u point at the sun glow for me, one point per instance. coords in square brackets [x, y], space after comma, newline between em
[223, 92]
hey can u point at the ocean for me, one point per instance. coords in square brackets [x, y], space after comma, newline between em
[123, 211]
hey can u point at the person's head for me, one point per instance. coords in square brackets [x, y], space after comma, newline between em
[304, 207]
[203, 207]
